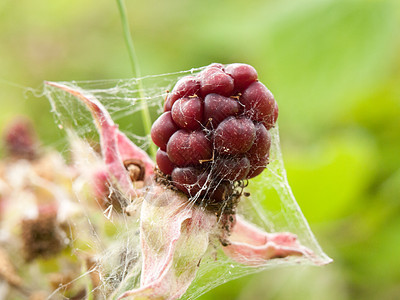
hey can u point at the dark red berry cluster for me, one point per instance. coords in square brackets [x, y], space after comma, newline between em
[214, 130]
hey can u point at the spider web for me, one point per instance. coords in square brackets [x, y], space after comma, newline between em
[113, 238]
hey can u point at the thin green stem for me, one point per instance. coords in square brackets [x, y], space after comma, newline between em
[136, 72]
[128, 39]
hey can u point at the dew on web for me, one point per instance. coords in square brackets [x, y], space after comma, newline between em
[121, 228]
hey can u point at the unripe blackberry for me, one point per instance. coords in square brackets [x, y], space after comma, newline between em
[262, 142]
[187, 113]
[164, 163]
[215, 80]
[258, 164]
[189, 148]
[231, 168]
[217, 108]
[242, 74]
[190, 180]
[259, 103]
[234, 136]
[163, 128]
[185, 87]
[214, 132]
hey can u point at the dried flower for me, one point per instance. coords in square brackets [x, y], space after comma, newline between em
[36, 203]
[42, 236]
[20, 140]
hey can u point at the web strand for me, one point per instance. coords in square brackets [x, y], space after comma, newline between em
[114, 238]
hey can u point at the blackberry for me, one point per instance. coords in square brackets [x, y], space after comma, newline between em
[214, 132]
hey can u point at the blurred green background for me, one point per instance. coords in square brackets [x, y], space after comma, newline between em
[334, 68]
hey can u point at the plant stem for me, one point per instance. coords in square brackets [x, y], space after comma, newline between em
[136, 72]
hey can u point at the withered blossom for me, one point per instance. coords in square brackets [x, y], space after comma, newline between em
[37, 211]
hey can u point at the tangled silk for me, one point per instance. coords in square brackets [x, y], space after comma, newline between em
[176, 234]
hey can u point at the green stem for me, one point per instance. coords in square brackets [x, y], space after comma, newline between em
[136, 72]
